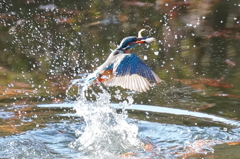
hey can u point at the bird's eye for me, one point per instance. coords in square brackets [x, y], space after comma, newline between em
[117, 52]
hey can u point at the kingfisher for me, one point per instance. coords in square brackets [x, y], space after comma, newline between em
[125, 69]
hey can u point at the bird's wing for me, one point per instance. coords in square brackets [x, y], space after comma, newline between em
[132, 73]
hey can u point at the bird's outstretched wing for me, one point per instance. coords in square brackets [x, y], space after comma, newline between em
[132, 73]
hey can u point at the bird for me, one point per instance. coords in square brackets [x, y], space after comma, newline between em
[123, 68]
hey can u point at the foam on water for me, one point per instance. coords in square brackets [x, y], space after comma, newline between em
[106, 132]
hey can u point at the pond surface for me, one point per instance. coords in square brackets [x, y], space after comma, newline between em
[55, 131]
[46, 45]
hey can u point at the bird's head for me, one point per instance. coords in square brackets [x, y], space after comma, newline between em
[131, 41]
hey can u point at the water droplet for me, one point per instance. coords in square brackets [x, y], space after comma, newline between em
[130, 99]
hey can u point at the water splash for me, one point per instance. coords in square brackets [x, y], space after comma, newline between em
[106, 132]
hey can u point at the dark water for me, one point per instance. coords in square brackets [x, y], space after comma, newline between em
[194, 113]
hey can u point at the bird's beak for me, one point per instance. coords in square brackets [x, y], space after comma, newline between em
[145, 40]
[141, 40]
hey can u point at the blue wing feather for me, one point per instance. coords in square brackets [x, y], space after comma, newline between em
[131, 64]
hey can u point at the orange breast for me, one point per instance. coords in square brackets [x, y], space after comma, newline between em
[105, 75]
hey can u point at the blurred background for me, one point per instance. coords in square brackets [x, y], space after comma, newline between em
[45, 44]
